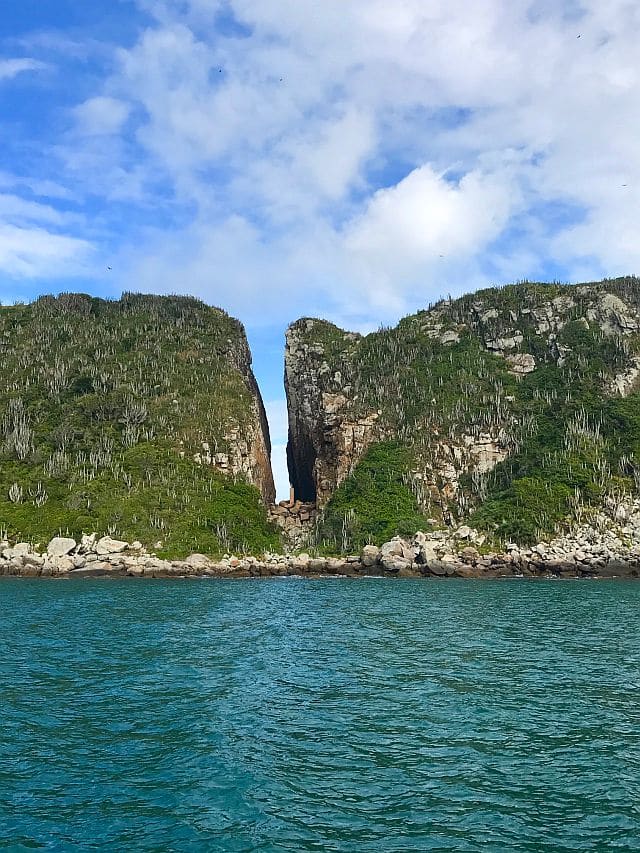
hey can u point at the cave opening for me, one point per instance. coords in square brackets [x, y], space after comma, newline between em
[301, 457]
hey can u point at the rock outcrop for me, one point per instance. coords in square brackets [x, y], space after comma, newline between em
[326, 436]
[249, 444]
[464, 386]
[121, 415]
[607, 546]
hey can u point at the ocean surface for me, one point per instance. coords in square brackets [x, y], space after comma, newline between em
[323, 715]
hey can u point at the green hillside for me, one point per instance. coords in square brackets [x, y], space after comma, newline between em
[515, 409]
[126, 417]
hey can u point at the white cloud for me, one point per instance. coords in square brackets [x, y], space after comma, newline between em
[302, 118]
[10, 68]
[424, 217]
[101, 116]
[359, 159]
[37, 240]
[17, 209]
[34, 252]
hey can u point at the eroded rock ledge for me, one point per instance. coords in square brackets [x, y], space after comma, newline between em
[437, 555]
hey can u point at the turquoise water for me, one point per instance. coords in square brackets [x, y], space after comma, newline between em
[319, 715]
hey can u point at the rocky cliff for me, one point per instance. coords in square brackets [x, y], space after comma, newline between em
[515, 407]
[139, 417]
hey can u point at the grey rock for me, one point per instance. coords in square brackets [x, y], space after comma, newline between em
[393, 565]
[107, 545]
[370, 555]
[437, 567]
[87, 543]
[92, 570]
[60, 546]
[198, 561]
[450, 337]
[521, 364]
[60, 565]
[18, 550]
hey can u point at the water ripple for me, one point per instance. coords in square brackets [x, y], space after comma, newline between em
[319, 715]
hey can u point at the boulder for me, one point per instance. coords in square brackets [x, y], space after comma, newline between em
[60, 565]
[397, 547]
[300, 563]
[436, 567]
[370, 555]
[107, 545]
[521, 364]
[615, 568]
[394, 565]
[424, 548]
[19, 550]
[198, 561]
[465, 532]
[93, 570]
[160, 568]
[469, 555]
[450, 337]
[60, 546]
[87, 543]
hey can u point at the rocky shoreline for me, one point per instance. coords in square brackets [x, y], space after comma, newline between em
[437, 555]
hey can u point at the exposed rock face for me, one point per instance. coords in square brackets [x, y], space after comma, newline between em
[248, 447]
[346, 391]
[295, 519]
[60, 546]
[607, 546]
[250, 453]
[326, 439]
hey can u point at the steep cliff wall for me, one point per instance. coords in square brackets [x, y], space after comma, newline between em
[479, 402]
[325, 437]
[139, 417]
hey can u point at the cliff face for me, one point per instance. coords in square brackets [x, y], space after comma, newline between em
[139, 418]
[481, 403]
[325, 438]
[248, 442]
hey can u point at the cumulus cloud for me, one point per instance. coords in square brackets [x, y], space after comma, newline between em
[34, 252]
[101, 115]
[359, 159]
[10, 68]
[35, 242]
[424, 217]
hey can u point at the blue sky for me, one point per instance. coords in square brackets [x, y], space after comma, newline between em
[353, 159]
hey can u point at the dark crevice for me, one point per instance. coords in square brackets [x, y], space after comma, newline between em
[301, 457]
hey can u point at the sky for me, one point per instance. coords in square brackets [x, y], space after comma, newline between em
[351, 159]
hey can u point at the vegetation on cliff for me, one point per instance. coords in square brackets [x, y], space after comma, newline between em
[137, 418]
[514, 408]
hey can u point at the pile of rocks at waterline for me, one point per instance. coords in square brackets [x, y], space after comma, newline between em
[589, 552]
